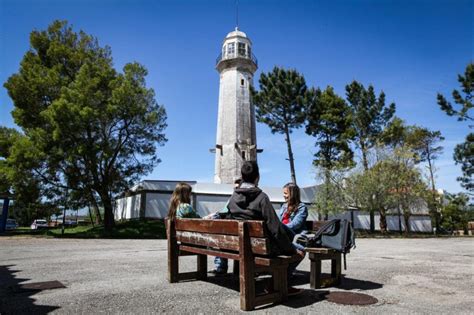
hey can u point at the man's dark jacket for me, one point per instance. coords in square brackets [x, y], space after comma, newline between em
[253, 204]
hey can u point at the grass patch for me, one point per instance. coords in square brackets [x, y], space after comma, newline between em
[134, 229]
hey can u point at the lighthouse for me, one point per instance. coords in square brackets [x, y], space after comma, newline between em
[236, 136]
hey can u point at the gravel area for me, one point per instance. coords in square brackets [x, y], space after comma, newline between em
[422, 276]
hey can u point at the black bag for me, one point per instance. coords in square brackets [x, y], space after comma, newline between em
[336, 234]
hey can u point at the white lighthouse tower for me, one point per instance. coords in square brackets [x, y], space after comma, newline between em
[236, 137]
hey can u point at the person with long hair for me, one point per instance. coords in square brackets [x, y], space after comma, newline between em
[180, 203]
[293, 213]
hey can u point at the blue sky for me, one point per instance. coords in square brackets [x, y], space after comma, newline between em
[409, 49]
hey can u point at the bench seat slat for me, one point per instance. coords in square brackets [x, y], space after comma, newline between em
[210, 252]
[260, 246]
[227, 227]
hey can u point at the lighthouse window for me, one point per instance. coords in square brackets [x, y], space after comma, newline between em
[243, 155]
[242, 82]
[249, 52]
[230, 48]
[241, 49]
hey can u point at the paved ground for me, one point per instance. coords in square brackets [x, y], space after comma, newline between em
[129, 276]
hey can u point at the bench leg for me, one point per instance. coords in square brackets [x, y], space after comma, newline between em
[202, 267]
[315, 273]
[280, 282]
[173, 253]
[336, 269]
[246, 274]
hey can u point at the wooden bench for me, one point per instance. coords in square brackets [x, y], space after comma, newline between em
[317, 255]
[246, 242]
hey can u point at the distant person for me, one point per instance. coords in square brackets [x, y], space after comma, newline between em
[293, 212]
[180, 203]
[248, 202]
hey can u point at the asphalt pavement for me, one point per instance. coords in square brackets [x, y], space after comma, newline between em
[423, 276]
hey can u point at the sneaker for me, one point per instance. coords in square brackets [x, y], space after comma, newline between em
[218, 272]
[292, 291]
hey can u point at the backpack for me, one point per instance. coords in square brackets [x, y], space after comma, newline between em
[336, 234]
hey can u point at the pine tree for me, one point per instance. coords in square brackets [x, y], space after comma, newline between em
[90, 130]
[463, 153]
[329, 121]
[280, 104]
[370, 115]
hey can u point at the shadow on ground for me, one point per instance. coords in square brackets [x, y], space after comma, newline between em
[303, 277]
[15, 298]
[306, 298]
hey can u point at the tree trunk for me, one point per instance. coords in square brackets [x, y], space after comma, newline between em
[383, 221]
[290, 156]
[363, 149]
[327, 175]
[109, 222]
[399, 218]
[406, 216]
[95, 207]
[372, 220]
[90, 216]
[434, 208]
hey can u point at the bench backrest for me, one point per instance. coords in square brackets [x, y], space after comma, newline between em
[222, 234]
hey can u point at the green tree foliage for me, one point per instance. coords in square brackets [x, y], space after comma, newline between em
[91, 131]
[331, 197]
[280, 104]
[370, 190]
[8, 137]
[388, 186]
[455, 213]
[20, 182]
[464, 155]
[424, 143]
[329, 121]
[465, 101]
[369, 116]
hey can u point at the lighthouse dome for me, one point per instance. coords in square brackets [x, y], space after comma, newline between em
[236, 33]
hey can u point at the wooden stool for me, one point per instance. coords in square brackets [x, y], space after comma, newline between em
[316, 255]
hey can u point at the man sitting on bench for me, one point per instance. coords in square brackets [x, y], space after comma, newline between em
[248, 202]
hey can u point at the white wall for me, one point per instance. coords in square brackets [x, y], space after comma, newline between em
[157, 205]
[206, 204]
[128, 207]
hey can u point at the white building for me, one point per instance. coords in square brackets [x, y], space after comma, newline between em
[150, 200]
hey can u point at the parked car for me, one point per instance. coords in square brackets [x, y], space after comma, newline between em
[11, 224]
[39, 224]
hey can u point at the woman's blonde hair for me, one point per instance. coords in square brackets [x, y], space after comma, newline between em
[181, 194]
[294, 198]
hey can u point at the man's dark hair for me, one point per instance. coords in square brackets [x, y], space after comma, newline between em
[250, 171]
